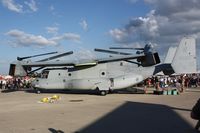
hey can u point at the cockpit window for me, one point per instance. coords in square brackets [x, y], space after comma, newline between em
[45, 74]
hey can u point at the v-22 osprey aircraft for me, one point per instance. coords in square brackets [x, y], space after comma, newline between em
[116, 72]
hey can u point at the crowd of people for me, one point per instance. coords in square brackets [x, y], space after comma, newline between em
[159, 82]
[179, 82]
[15, 83]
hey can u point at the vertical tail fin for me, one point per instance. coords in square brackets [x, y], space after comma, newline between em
[170, 55]
[184, 60]
[16, 69]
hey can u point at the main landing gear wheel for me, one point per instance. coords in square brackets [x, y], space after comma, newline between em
[38, 91]
[103, 93]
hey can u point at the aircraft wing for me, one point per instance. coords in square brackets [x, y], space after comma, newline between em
[20, 68]
[119, 58]
[80, 63]
[107, 60]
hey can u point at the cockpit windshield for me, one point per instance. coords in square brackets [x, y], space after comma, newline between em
[45, 74]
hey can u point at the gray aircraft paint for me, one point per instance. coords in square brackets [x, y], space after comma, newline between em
[112, 73]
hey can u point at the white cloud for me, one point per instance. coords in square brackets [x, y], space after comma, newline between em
[119, 35]
[32, 5]
[170, 7]
[52, 30]
[20, 38]
[11, 5]
[19, 8]
[133, 1]
[144, 28]
[67, 36]
[165, 25]
[51, 8]
[84, 25]
[24, 39]
[54, 12]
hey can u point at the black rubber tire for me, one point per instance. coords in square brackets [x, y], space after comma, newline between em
[38, 91]
[103, 93]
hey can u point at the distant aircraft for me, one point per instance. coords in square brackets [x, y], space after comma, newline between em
[116, 72]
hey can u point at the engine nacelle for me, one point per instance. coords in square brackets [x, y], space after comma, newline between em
[149, 59]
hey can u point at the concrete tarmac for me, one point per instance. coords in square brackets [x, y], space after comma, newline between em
[20, 112]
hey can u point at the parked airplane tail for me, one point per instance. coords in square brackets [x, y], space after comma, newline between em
[170, 55]
[184, 60]
[181, 59]
[16, 69]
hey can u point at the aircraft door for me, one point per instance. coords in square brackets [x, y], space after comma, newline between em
[111, 82]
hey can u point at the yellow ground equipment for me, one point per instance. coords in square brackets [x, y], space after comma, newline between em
[52, 99]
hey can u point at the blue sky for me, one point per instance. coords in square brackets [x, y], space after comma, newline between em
[31, 27]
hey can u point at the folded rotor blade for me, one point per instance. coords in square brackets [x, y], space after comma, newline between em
[111, 52]
[126, 48]
[22, 58]
[119, 58]
[133, 62]
[56, 56]
[36, 70]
